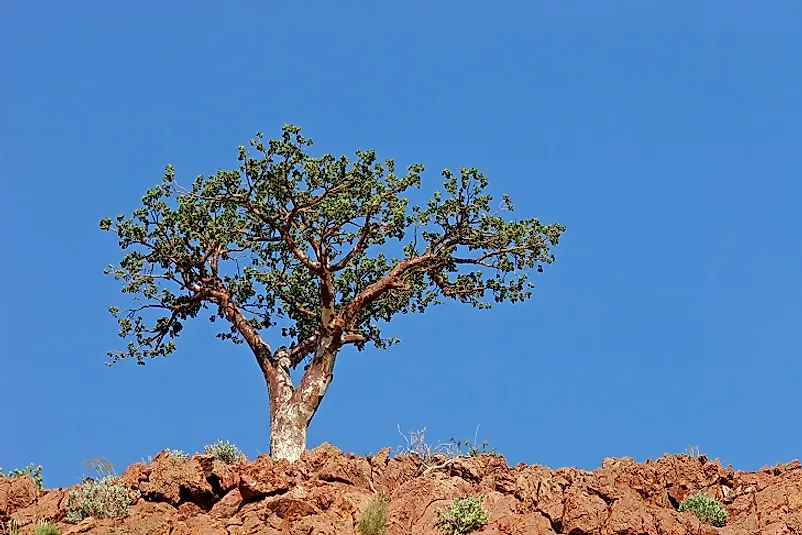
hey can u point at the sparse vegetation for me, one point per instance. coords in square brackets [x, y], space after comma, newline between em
[224, 451]
[102, 466]
[178, 455]
[373, 519]
[706, 509]
[472, 448]
[35, 473]
[12, 527]
[463, 516]
[43, 527]
[693, 451]
[416, 444]
[451, 450]
[107, 498]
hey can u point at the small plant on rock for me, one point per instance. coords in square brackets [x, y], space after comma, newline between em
[35, 473]
[462, 516]
[224, 451]
[416, 443]
[107, 498]
[706, 509]
[102, 466]
[12, 526]
[178, 455]
[373, 519]
[693, 451]
[473, 449]
[43, 527]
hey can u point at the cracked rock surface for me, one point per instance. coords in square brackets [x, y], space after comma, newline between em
[324, 491]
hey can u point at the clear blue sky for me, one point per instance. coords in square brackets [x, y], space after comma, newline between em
[667, 139]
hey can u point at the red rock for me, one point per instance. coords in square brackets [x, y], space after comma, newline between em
[188, 510]
[16, 493]
[48, 506]
[326, 463]
[202, 480]
[136, 474]
[229, 505]
[265, 477]
[324, 492]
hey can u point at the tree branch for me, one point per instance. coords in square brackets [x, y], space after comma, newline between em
[284, 234]
[221, 297]
[299, 352]
[360, 244]
[372, 292]
[490, 254]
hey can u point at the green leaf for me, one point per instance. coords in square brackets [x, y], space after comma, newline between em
[264, 239]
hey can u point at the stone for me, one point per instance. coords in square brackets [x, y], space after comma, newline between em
[324, 491]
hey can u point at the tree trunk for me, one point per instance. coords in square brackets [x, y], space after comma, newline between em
[292, 409]
[288, 426]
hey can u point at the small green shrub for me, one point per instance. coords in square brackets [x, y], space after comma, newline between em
[107, 498]
[462, 516]
[178, 455]
[472, 449]
[224, 451]
[35, 472]
[706, 509]
[373, 519]
[44, 527]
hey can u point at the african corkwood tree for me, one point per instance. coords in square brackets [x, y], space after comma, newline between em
[313, 253]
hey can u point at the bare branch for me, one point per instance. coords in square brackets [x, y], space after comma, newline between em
[490, 254]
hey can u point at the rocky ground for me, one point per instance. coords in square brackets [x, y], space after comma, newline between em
[323, 493]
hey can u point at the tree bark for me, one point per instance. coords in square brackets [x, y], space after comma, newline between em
[288, 419]
[292, 409]
[288, 427]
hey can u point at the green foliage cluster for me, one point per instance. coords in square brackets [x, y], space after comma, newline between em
[178, 455]
[265, 235]
[224, 451]
[43, 527]
[706, 509]
[106, 498]
[463, 516]
[373, 519]
[35, 473]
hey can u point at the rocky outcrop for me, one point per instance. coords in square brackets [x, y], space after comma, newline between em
[323, 493]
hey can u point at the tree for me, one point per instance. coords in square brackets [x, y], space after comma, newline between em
[299, 245]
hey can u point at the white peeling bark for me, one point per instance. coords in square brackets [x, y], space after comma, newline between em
[291, 410]
[288, 433]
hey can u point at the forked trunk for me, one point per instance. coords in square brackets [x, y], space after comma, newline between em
[292, 409]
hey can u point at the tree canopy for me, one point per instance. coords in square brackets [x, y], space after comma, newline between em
[293, 242]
